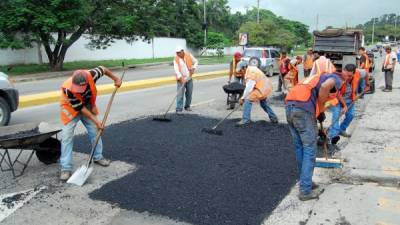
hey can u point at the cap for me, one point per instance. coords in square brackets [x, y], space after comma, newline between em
[179, 48]
[240, 65]
[79, 82]
[237, 54]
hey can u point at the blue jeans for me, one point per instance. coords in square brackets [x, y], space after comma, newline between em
[337, 127]
[186, 92]
[247, 105]
[304, 131]
[67, 142]
[361, 86]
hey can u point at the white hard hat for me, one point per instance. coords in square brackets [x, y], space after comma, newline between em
[240, 65]
[179, 48]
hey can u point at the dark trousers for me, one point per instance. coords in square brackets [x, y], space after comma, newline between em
[307, 72]
[388, 79]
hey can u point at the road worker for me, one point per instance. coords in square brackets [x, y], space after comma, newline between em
[388, 66]
[184, 65]
[233, 73]
[283, 69]
[308, 62]
[305, 103]
[322, 65]
[292, 78]
[258, 88]
[348, 95]
[364, 64]
[78, 103]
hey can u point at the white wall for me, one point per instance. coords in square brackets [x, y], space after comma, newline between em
[163, 47]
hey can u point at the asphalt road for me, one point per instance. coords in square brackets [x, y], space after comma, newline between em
[34, 87]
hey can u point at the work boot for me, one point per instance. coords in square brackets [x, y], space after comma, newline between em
[103, 162]
[189, 109]
[242, 123]
[314, 186]
[345, 134]
[65, 175]
[179, 112]
[314, 194]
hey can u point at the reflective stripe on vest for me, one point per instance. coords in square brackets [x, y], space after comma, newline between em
[308, 62]
[67, 112]
[187, 59]
[263, 87]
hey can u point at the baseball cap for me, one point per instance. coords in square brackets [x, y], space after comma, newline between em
[179, 48]
[240, 65]
[237, 54]
[79, 82]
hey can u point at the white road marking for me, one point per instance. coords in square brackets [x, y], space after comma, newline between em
[9, 203]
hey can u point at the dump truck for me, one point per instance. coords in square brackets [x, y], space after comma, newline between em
[340, 45]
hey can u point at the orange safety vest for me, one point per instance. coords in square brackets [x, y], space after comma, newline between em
[354, 86]
[302, 91]
[367, 64]
[322, 66]
[67, 112]
[234, 66]
[188, 62]
[308, 62]
[263, 87]
[293, 74]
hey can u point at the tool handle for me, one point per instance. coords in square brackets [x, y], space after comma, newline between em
[226, 117]
[176, 96]
[103, 123]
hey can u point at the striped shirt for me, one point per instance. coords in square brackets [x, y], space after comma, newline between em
[77, 104]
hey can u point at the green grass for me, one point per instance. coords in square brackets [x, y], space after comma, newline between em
[299, 51]
[35, 68]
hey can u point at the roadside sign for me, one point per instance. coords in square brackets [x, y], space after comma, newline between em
[243, 39]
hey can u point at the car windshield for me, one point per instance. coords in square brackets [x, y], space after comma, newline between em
[253, 53]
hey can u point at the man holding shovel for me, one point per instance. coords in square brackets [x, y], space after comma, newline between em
[184, 66]
[78, 103]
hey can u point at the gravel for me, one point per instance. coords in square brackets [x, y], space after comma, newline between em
[195, 177]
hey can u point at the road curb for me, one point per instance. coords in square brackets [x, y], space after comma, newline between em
[54, 96]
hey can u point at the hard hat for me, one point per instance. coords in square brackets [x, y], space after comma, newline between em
[241, 65]
[179, 49]
[237, 54]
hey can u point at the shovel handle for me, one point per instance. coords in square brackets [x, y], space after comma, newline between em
[103, 123]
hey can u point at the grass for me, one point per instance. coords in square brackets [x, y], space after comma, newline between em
[299, 51]
[35, 68]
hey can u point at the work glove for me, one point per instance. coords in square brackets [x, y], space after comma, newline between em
[321, 118]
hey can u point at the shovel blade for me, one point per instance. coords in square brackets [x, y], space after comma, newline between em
[80, 176]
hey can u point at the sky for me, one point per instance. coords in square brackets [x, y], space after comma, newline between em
[352, 12]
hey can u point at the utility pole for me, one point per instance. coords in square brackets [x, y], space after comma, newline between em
[258, 11]
[317, 21]
[395, 27]
[205, 23]
[373, 30]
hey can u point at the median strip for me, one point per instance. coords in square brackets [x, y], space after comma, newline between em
[54, 96]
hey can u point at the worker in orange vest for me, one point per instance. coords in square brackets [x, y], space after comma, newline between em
[292, 78]
[233, 72]
[388, 67]
[322, 65]
[347, 96]
[78, 103]
[283, 69]
[184, 65]
[365, 64]
[258, 88]
[305, 103]
[308, 62]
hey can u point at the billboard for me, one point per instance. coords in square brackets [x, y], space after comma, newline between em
[243, 39]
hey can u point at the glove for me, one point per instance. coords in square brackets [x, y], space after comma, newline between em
[321, 118]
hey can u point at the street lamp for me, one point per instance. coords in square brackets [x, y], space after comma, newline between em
[205, 23]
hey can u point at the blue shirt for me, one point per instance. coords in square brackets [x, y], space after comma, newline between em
[311, 104]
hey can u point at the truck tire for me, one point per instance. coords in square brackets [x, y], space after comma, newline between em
[5, 112]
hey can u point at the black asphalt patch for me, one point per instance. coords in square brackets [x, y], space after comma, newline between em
[195, 177]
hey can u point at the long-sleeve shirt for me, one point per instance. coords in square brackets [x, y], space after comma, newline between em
[249, 87]
[76, 103]
[182, 69]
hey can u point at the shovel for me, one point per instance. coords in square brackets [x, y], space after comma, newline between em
[163, 117]
[80, 176]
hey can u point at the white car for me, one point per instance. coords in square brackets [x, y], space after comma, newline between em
[9, 99]
[267, 59]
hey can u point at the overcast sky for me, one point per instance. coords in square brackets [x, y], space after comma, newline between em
[353, 12]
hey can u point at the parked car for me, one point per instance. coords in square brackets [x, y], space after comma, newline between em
[9, 99]
[267, 59]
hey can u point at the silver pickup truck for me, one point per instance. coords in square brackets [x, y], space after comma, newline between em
[8, 99]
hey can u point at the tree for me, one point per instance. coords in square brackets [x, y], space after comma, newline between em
[58, 24]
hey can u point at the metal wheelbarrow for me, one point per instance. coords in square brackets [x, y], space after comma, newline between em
[235, 91]
[31, 137]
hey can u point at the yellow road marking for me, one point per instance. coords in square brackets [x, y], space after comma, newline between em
[389, 205]
[54, 96]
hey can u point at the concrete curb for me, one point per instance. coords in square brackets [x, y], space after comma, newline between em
[54, 96]
[52, 75]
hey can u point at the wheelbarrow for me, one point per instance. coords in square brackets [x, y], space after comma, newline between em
[235, 91]
[29, 137]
